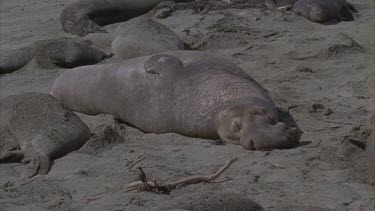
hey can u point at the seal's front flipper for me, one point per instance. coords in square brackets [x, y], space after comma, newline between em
[44, 166]
[40, 163]
[15, 156]
[160, 63]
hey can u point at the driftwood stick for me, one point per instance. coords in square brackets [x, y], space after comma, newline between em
[128, 167]
[337, 122]
[187, 180]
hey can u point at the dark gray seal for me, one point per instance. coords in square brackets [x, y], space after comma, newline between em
[210, 200]
[81, 17]
[51, 53]
[321, 11]
[41, 130]
[318, 11]
[186, 92]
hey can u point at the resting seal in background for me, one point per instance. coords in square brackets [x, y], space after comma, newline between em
[143, 36]
[81, 17]
[186, 92]
[62, 52]
[41, 130]
[318, 11]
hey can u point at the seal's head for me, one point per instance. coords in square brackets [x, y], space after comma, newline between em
[254, 125]
[317, 14]
[162, 63]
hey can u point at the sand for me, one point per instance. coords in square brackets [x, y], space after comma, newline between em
[322, 74]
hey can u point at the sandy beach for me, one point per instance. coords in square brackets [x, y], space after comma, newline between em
[323, 74]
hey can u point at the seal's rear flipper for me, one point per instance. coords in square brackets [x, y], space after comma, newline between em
[15, 156]
[44, 165]
[40, 163]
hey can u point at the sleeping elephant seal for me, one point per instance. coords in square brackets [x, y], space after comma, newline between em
[143, 36]
[60, 52]
[42, 128]
[321, 11]
[318, 11]
[186, 92]
[81, 17]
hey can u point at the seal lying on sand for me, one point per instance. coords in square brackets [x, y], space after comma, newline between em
[318, 11]
[43, 128]
[143, 36]
[186, 92]
[81, 17]
[65, 53]
[210, 200]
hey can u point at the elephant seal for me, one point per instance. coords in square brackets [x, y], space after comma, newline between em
[186, 92]
[318, 11]
[210, 200]
[143, 36]
[63, 52]
[81, 17]
[321, 11]
[43, 129]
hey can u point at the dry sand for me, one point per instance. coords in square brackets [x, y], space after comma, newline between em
[302, 64]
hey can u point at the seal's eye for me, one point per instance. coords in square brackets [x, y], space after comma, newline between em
[235, 126]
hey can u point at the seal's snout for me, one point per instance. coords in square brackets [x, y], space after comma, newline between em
[277, 136]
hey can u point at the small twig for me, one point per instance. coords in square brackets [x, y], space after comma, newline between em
[128, 167]
[188, 180]
[90, 199]
[336, 122]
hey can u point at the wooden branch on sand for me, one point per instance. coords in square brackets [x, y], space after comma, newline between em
[166, 188]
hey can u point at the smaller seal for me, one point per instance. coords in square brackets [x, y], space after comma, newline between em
[318, 11]
[42, 128]
[61, 52]
[321, 11]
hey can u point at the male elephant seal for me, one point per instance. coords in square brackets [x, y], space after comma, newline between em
[61, 52]
[186, 92]
[43, 128]
[81, 17]
[318, 11]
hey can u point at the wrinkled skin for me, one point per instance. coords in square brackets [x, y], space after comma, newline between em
[186, 92]
[40, 130]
